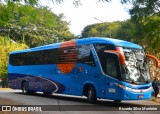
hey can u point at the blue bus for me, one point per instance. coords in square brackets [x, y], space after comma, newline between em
[93, 67]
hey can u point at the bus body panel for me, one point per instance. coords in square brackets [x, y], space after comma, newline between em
[115, 92]
[49, 78]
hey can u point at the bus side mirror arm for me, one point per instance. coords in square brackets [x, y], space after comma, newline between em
[154, 58]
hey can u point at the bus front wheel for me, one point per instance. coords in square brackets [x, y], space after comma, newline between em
[91, 96]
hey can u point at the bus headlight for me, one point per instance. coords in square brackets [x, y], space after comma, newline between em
[134, 90]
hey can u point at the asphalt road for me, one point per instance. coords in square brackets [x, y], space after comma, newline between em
[77, 105]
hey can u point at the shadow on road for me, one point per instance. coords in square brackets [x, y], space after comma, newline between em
[75, 103]
[100, 102]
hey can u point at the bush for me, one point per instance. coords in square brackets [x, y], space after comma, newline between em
[6, 46]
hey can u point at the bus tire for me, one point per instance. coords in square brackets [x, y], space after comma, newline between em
[91, 96]
[25, 88]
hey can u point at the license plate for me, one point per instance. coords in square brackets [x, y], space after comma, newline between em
[140, 96]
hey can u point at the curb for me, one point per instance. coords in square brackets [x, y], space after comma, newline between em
[5, 89]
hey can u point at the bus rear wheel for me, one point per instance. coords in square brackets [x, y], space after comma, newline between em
[25, 88]
[91, 96]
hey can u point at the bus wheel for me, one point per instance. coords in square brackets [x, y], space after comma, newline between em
[25, 88]
[91, 96]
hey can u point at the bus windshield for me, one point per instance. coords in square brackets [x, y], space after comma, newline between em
[135, 70]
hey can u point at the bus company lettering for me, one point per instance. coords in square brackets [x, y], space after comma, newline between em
[34, 109]
[26, 108]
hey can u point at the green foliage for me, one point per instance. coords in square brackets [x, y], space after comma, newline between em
[125, 31]
[147, 34]
[143, 28]
[152, 34]
[6, 46]
[116, 29]
[33, 26]
[76, 3]
[145, 16]
[26, 25]
[38, 2]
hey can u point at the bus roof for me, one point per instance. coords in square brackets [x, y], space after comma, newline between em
[91, 40]
[116, 42]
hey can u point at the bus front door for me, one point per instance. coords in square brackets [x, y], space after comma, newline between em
[111, 73]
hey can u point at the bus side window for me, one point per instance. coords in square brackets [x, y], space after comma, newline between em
[111, 69]
[85, 55]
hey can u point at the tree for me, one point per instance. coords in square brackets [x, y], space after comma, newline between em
[37, 2]
[125, 31]
[37, 28]
[6, 46]
[103, 30]
[145, 14]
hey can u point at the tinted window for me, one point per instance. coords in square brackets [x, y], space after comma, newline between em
[35, 58]
[110, 64]
[111, 67]
[80, 54]
[85, 55]
[102, 47]
[67, 55]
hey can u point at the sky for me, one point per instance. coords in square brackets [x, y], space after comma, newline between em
[90, 12]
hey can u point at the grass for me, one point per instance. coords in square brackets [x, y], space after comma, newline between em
[157, 100]
[153, 99]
